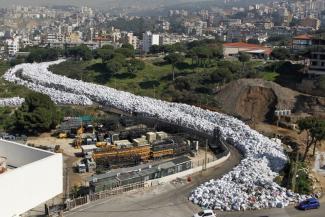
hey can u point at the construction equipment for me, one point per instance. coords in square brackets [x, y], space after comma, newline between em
[142, 151]
[101, 144]
[161, 153]
[63, 135]
[78, 140]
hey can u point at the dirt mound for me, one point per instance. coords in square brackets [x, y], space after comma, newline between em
[257, 99]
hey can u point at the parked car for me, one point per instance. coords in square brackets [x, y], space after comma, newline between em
[205, 213]
[311, 203]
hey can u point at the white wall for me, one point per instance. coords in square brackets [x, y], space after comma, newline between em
[155, 39]
[30, 185]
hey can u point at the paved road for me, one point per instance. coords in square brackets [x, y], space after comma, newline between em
[170, 200]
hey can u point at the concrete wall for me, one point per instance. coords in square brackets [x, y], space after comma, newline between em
[186, 172]
[30, 185]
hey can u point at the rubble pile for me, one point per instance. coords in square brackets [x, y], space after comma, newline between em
[11, 102]
[249, 186]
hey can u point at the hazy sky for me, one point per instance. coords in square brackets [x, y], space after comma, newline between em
[92, 3]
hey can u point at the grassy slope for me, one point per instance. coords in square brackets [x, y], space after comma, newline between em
[144, 82]
[270, 76]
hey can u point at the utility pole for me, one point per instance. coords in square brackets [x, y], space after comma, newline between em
[206, 156]
[295, 169]
[154, 91]
[67, 184]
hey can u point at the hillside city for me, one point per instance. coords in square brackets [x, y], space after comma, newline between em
[175, 108]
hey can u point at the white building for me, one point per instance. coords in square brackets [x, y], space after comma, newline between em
[149, 39]
[129, 38]
[30, 178]
[12, 46]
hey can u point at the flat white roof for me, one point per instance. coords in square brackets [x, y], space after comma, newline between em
[255, 51]
[88, 147]
[19, 155]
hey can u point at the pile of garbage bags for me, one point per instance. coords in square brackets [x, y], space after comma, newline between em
[11, 102]
[248, 186]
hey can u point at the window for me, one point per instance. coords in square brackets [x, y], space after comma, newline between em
[208, 214]
[314, 56]
[314, 63]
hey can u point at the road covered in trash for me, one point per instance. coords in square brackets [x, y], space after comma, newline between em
[249, 185]
[11, 102]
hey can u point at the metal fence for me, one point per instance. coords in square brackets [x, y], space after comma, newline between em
[76, 202]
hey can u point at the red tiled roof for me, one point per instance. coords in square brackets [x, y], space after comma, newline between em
[303, 37]
[244, 45]
[249, 47]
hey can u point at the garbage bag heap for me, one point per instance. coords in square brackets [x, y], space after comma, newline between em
[11, 102]
[248, 186]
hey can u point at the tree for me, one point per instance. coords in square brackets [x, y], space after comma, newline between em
[183, 83]
[113, 66]
[126, 52]
[108, 47]
[278, 40]
[79, 52]
[202, 53]
[154, 49]
[217, 52]
[174, 59]
[135, 65]
[280, 53]
[43, 54]
[315, 132]
[243, 58]
[120, 58]
[36, 115]
[128, 46]
[221, 75]
[104, 54]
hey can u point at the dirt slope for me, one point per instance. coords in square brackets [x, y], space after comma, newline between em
[257, 99]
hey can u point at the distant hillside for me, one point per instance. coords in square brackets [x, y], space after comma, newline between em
[98, 3]
[140, 4]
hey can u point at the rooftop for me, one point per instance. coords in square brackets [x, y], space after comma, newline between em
[303, 37]
[251, 48]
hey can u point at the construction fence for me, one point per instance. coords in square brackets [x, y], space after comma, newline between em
[80, 201]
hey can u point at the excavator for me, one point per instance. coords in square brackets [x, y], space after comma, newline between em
[78, 140]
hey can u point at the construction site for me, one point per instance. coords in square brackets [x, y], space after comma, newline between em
[120, 144]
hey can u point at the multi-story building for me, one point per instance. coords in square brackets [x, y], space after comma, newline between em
[149, 39]
[317, 60]
[311, 22]
[12, 46]
[301, 42]
[232, 22]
